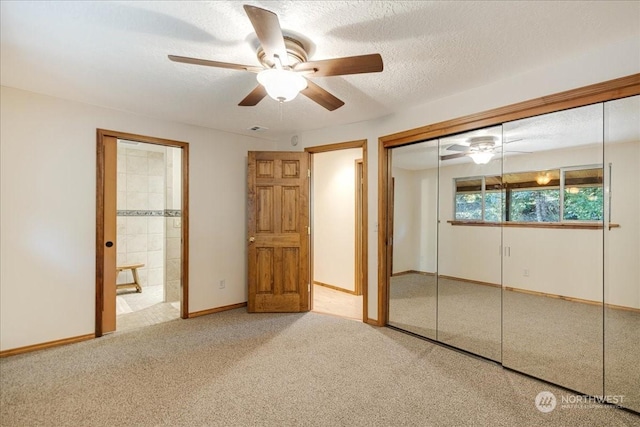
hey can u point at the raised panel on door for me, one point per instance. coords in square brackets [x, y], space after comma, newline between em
[290, 169]
[265, 169]
[265, 270]
[265, 209]
[290, 201]
[290, 270]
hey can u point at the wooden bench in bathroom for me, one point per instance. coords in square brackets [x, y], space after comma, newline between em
[136, 280]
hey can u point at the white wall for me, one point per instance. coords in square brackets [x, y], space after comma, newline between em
[334, 211]
[618, 59]
[47, 207]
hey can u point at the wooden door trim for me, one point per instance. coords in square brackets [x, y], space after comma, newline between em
[337, 146]
[360, 143]
[600, 92]
[359, 177]
[100, 181]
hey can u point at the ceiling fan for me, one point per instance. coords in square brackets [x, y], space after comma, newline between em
[481, 149]
[285, 67]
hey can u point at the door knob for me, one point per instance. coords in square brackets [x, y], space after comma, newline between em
[252, 239]
[108, 244]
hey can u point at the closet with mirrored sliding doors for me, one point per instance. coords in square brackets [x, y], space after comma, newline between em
[520, 242]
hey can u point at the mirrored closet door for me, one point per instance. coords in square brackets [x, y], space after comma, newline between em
[520, 243]
[413, 213]
[552, 233]
[622, 251]
[469, 241]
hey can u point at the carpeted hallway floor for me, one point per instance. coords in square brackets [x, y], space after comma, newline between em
[240, 369]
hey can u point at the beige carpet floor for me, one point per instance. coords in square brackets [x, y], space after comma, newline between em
[240, 369]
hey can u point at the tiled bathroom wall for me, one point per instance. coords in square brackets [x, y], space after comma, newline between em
[141, 212]
[173, 224]
[149, 215]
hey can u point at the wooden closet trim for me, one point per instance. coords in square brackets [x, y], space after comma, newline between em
[600, 92]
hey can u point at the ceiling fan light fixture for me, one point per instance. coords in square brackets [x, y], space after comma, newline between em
[543, 178]
[282, 85]
[481, 157]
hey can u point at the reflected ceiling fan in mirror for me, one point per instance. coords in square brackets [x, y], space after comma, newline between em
[481, 149]
[285, 67]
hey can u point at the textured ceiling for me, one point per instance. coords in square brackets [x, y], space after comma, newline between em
[114, 54]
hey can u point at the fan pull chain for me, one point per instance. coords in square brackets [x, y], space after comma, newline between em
[280, 108]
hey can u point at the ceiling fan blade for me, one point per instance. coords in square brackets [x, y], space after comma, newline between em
[254, 97]
[267, 27]
[453, 156]
[342, 66]
[457, 147]
[321, 96]
[513, 140]
[196, 61]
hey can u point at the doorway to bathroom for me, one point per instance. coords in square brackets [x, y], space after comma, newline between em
[148, 224]
[142, 226]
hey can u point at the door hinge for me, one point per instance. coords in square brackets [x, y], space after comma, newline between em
[308, 173]
[309, 231]
[309, 287]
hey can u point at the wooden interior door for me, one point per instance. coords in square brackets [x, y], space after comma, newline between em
[278, 232]
[106, 238]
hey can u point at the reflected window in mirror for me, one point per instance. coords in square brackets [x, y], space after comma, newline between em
[573, 194]
[583, 195]
[478, 199]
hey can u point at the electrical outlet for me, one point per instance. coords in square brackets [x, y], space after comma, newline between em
[222, 284]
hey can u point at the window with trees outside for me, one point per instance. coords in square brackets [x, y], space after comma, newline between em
[556, 195]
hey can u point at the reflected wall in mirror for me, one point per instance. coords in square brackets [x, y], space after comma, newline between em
[412, 286]
[552, 267]
[469, 239]
[622, 250]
